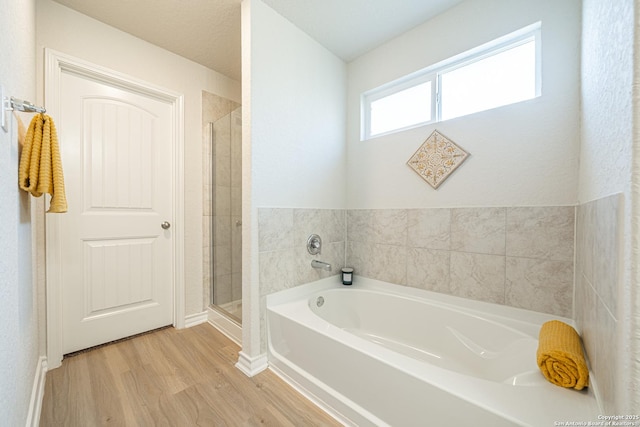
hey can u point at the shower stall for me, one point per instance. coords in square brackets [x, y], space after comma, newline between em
[222, 219]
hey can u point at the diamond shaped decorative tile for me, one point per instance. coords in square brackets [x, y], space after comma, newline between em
[437, 158]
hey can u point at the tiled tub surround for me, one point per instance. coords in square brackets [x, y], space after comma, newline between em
[597, 260]
[282, 242]
[522, 256]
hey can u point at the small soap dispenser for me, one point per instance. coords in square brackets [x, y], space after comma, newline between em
[347, 275]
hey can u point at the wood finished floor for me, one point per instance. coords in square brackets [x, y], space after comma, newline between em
[171, 378]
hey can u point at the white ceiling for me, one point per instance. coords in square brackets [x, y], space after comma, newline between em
[208, 31]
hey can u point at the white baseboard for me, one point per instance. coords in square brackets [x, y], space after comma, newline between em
[37, 393]
[251, 366]
[228, 327]
[195, 319]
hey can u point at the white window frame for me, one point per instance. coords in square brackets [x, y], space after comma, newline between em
[434, 72]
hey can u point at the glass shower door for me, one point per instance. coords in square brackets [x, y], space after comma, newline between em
[225, 138]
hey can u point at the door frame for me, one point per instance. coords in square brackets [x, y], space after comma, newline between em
[55, 64]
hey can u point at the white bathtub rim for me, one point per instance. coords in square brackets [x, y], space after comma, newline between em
[480, 307]
[297, 292]
[290, 302]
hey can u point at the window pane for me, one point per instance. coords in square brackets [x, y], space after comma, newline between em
[405, 108]
[501, 79]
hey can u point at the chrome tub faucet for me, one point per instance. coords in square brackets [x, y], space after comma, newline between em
[320, 264]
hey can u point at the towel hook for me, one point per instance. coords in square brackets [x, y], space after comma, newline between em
[21, 105]
[11, 103]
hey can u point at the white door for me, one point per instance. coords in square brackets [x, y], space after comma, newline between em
[116, 259]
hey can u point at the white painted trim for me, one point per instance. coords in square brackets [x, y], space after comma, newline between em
[195, 319]
[37, 393]
[55, 64]
[251, 366]
[178, 215]
[228, 327]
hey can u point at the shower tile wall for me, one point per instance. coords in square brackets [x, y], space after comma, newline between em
[522, 257]
[597, 260]
[224, 211]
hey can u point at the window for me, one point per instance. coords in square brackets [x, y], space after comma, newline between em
[502, 72]
[402, 109]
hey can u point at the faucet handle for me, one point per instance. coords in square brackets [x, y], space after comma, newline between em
[314, 244]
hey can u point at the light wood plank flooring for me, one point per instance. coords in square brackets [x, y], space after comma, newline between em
[171, 378]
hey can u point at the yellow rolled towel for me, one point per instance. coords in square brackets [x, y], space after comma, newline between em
[40, 168]
[560, 356]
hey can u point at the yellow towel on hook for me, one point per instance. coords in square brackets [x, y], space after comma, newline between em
[40, 168]
[560, 356]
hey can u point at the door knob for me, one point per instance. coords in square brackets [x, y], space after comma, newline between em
[165, 225]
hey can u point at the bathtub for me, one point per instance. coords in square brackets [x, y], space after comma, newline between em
[378, 354]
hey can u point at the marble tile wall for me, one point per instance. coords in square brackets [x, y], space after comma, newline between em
[282, 244]
[521, 257]
[597, 261]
